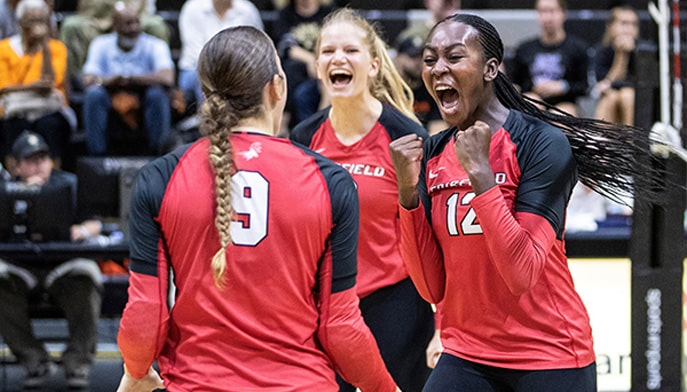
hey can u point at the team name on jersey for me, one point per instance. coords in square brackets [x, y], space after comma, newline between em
[362, 169]
[500, 178]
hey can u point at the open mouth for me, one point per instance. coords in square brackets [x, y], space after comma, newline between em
[448, 96]
[340, 78]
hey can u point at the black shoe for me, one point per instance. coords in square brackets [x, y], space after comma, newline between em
[79, 377]
[38, 375]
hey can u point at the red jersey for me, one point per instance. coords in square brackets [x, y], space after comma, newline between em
[275, 325]
[369, 162]
[497, 260]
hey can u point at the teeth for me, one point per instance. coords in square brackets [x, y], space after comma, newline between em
[339, 72]
[443, 88]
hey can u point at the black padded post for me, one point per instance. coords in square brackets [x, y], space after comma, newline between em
[657, 251]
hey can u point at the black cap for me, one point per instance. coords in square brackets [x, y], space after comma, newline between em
[27, 144]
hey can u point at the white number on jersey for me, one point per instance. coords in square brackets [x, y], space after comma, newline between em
[250, 195]
[468, 224]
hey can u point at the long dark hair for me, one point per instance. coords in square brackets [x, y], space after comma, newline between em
[609, 155]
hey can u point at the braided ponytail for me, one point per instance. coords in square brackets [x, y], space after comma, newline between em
[233, 68]
[216, 122]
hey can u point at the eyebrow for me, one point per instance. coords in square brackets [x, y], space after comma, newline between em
[447, 49]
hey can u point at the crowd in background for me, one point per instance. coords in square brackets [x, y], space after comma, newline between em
[105, 79]
[142, 100]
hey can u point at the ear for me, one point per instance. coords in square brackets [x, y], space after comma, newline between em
[277, 88]
[375, 65]
[491, 69]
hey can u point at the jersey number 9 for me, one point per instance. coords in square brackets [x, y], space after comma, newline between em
[250, 195]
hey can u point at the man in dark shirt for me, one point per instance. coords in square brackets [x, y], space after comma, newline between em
[553, 66]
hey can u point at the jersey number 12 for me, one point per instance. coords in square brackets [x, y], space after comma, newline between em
[468, 222]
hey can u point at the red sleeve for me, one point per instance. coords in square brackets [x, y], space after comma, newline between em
[144, 324]
[438, 315]
[518, 245]
[422, 255]
[351, 346]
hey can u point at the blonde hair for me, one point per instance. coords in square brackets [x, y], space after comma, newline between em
[233, 68]
[389, 85]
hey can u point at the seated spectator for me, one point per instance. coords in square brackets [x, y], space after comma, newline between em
[613, 62]
[94, 18]
[200, 20]
[75, 285]
[32, 91]
[127, 74]
[552, 67]
[295, 32]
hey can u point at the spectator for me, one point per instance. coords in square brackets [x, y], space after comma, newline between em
[296, 31]
[126, 71]
[94, 18]
[265, 306]
[371, 106]
[75, 285]
[9, 25]
[613, 62]
[33, 90]
[199, 20]
[552, 67]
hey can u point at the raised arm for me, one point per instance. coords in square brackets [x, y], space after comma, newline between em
[519, 243]
[421, 253]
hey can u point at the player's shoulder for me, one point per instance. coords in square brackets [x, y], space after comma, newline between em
[398, 124]
[304, 130]
[437, 142]
[526, 125]
[326, 166]
[535, 136]
[159, 170]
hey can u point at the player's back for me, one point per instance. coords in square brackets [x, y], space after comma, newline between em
[266, 312]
